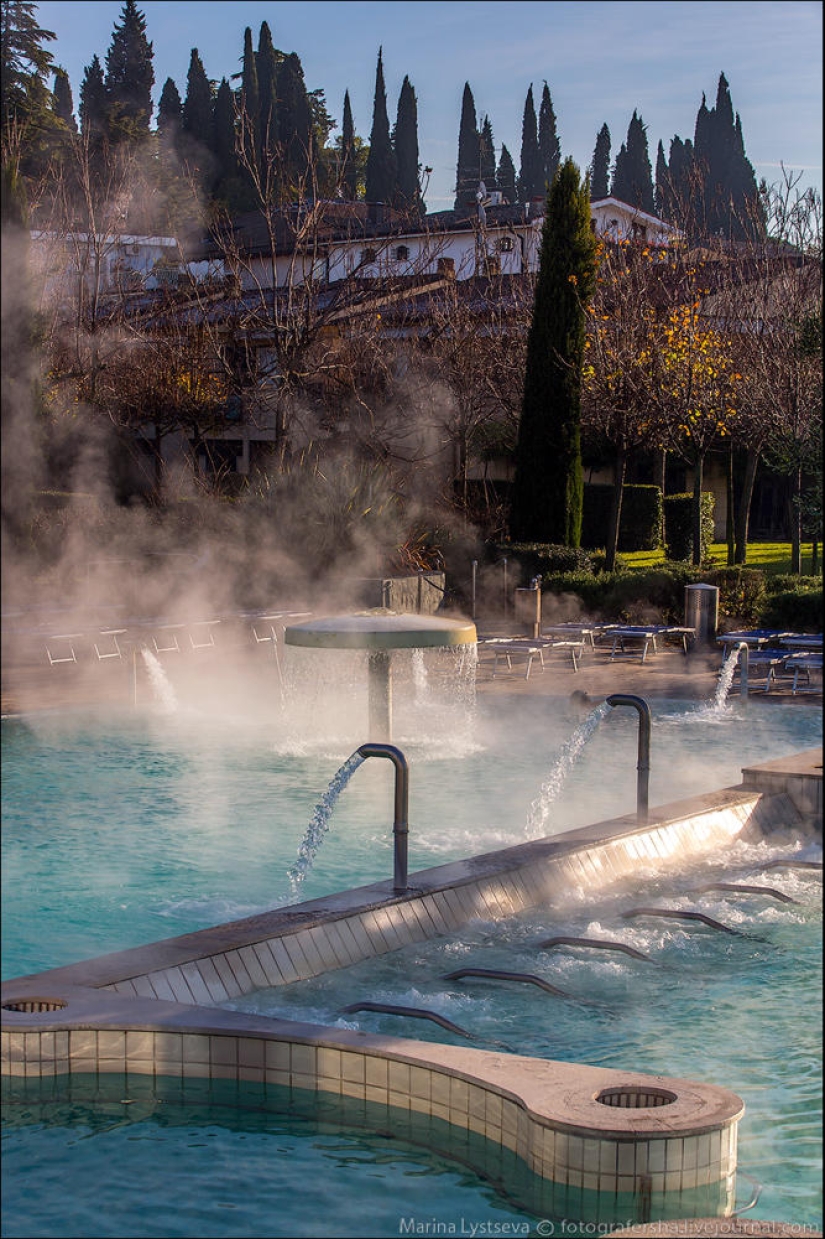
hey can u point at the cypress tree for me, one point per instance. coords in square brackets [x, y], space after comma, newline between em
[467, 166]
[129, 75]
[63, 102]
[531, 174]
[223, 132]
[662, 186]
[731, 191]
[294, 120]
[266, 64]
[487, 154]
[549, 146]
[600, 167]
[406, 150]
[348, 177]
[381, 176]
[93, 101]
[548, 487]
[170, 116]
[250, 100]
[197, 106]
[506, 175]
[633, 176]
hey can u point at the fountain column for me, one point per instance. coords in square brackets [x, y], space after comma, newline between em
[380, 632]
[379, 687]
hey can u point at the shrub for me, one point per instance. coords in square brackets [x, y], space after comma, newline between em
[793, 610]
[657, 593]
[640, 527]
[540, 559]
[679, 525]
[741, 592]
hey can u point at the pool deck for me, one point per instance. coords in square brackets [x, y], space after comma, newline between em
[30, 687]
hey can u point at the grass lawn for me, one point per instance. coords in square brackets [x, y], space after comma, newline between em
[773, 557]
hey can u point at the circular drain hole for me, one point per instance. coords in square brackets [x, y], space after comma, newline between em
[635, 1097]
[32, 1006]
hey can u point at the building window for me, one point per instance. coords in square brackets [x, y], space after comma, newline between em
[505, 245]
[446, 266]
[367, 257]
[402, 253]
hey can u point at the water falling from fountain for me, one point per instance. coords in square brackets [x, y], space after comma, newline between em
[551, 788]
[161, 686]
[726, 675]
[320, 822]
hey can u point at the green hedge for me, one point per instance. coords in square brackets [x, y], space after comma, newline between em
[532, 559]
[640, 527]
[679, 525]
[794, 610]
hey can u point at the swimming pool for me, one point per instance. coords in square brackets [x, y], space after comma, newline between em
[131, 826]
[137, 826]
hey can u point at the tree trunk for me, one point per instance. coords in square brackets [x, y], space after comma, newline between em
[697, 511]
[796, 523]
[614, 523]
[743, 511]
[663, 487]
[729, 516]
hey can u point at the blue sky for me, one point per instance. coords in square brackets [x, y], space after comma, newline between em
[601, 60]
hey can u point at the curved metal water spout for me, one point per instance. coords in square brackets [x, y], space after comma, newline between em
[400, 826]
[643, 765]
[742, 655]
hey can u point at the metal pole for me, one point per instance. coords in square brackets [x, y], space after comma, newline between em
[473, 608]
[400, 826]
[505, 587]
[643, 765]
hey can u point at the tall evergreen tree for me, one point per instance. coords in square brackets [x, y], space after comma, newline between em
[170, 116]
[600, 167]
[93, 101]
[467, 167]
[506, 175]
[28, 117]
[197, 106]
[730, 197]
[487, 154]
[129, 75]
[267, 66]
[661, 186]
[549, 146]
[633, 176]
[381, 170]
[349, 174]
[405, 145]
[549, 486]
[223, 132]
[63, 102]
[250, 101]
[295, 129]
[531, 173]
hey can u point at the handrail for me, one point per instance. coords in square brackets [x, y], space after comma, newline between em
[387, 1008]
[681, 916]
[643, 764]
[400, 826]
[598, 943]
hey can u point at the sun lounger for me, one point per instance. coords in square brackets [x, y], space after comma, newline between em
[624, 637]
[802, 663]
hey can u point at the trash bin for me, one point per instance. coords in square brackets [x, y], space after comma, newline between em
[528, 607]
[702, 612]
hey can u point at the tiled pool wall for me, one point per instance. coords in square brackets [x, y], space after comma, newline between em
[654, 1144]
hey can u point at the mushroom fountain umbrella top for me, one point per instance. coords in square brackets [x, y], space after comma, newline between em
[379, 632]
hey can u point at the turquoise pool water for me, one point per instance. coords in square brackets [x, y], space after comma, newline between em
[130, 827]
[743, 1011]
[136, 826]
